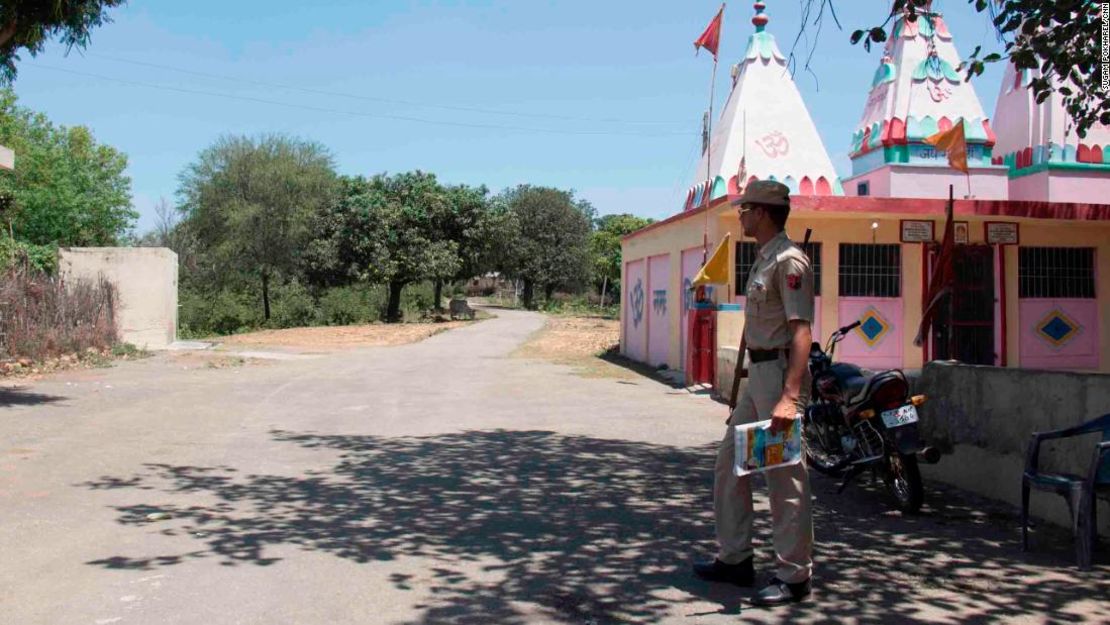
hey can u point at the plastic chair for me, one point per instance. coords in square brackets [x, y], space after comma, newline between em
[1080, 492]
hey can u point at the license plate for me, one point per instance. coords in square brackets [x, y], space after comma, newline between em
[901, 416]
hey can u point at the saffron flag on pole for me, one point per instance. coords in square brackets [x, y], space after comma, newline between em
[940, 282]
[715, 270]
[711, 38]
[953, 142]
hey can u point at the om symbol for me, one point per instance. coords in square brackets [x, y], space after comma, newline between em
[938, 92]
[774, 145]
[636, 299]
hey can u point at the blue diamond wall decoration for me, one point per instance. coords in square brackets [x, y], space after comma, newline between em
[873, 327]
[1057, 328]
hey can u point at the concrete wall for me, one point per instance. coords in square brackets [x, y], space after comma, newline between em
[146, 279]
[982, 418]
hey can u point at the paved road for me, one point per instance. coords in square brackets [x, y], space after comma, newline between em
[442, 482]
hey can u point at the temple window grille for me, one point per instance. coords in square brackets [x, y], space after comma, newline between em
[1056, 272]
[745, 257]
[870, 270]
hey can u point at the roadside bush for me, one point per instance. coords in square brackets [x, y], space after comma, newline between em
[292, 306]
[580, 306]
[346, 305]
[43, 316]
[43, 258]
[416, 299]
[225, 311]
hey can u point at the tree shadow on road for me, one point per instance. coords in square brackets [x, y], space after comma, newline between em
[592, 530]
[14, 396]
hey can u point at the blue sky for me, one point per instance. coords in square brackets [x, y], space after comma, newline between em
[604, 97]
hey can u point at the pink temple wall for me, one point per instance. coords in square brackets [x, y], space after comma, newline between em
[1076, 352]
[924, 182]
[660, 303]
[1061, 186]
[636, 307]
[691, 263]
[887, 352]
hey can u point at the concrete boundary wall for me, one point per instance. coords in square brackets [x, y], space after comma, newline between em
[146, 282]
[982, 419]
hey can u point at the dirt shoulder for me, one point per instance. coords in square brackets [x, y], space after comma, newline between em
[331, 338]
[589, 344]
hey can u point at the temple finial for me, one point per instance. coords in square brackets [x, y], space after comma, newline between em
[760, 20]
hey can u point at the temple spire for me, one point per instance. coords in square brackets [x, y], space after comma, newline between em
[765, 131]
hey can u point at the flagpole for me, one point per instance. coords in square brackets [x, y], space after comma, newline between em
[951, 329]
[709, 155]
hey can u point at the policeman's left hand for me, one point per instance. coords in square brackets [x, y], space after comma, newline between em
[783, 416]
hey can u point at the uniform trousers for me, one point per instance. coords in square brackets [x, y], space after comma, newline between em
[791, 514]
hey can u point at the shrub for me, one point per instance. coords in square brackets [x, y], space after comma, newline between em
[292, 306]
[416, 299]
[43, 316]
[346, 305]
[225, 311]
[42, 258]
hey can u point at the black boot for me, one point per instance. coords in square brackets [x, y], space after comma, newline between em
[741, 573]
[778, 592]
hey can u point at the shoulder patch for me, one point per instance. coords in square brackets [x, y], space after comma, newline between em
[794, 281]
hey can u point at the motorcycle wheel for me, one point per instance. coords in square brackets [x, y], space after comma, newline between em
[903, 480]
[821, 461]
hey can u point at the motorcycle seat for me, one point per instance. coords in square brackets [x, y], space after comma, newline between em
[872, 382]
[851, 381]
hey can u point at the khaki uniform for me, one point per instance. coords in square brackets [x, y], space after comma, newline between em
[779, 290]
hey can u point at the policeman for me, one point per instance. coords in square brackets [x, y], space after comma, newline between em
[777, 337]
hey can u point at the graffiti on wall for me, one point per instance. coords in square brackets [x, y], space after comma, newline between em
[659, 301]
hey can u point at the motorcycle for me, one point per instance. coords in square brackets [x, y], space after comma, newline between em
[855, 422]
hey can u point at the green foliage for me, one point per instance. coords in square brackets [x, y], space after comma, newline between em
[42, 258]
[580, 306]
[294, 306]
[551, 246]
[29, 24]
[340, 306]
[605, 249]
[232, 310]
[1060, 40]
[388, 229]
[249, 203]
[66, 189]
[217, 311]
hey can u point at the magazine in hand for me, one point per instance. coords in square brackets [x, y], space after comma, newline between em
[758, 450]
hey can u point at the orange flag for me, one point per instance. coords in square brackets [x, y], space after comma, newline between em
[953, 142]
[711, 38]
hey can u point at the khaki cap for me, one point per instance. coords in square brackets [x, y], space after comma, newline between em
[766, 193]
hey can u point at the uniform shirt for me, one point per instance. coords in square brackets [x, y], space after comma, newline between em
[779, 290]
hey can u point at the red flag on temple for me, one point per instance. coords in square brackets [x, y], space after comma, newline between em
[940, 283]
[711, 38]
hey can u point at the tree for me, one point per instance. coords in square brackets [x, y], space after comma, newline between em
[29, 24]
[249, 202]
[1060, 39]
[551, 247]
[66, 189]
[386, 229]
[605, 248]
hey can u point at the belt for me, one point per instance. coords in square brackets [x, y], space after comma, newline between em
[765, 355]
